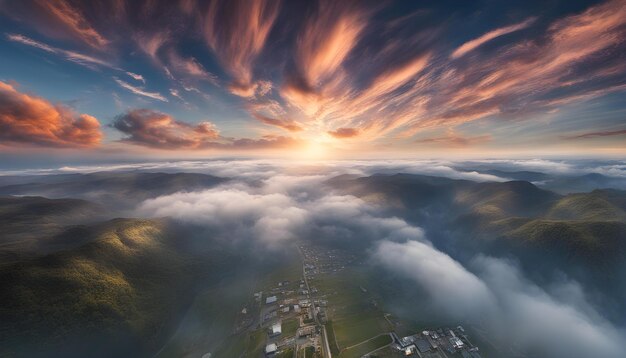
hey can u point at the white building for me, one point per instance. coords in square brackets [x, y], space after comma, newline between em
[276, 329]
[270, 349]
[270, 300]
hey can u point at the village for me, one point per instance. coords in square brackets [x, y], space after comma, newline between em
[292, 316]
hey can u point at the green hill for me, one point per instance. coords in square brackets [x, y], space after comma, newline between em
[599, 205]
[513, 198]
[30, 224]
[115, 294]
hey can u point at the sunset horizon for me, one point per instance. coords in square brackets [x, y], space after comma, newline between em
[321, 79]
[312, 178]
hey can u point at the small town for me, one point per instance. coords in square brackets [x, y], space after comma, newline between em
[293, 316]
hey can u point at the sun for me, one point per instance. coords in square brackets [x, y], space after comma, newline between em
[315, 149]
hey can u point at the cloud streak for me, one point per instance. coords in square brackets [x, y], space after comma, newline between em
[61, 19]
[76, 57]
[286, 124]
[598, 134]
[475, 43]
[237, 32]
[139, 91]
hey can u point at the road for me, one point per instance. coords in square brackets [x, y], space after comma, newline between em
[325, 346]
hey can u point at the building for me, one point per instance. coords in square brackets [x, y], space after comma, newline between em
[422, 345]
[456, 343]
[270, 300]
[276, 329]
[270, 349]
[306, 331]
[410, 350]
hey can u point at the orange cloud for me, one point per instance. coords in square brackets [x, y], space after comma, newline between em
[57, 18]
[30, 120]
[190, 67]
[151, 43]
[158, 130]
[283, 123]
[325, 41]
[237, 30]
[571, 62]
[344, 133]
[327, 38]
[475, 43]
[74, 22]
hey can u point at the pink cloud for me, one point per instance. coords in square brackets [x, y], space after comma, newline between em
[158, 130]
[32, 121]
[237, 30]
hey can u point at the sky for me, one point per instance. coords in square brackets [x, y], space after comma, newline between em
[112, 80]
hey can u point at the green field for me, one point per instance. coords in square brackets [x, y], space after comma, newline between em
[290, 326]
[256, 343]
[366, 347]
[332, 342]
[354, 317]
[233, 346]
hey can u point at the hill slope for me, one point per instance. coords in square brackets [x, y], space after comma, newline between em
[29, 224]
[114, 294]
[114, 189]
[516, 217]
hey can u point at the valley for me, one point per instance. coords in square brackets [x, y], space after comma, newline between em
[78, 279]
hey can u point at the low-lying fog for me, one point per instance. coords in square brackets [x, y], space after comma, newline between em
[268, 205]
[272, 204]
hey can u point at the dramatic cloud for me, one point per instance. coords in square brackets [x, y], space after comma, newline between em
[344, 133]
[190, 67]
[381, 74]
[471, 45]
[322, 46]
[237, 32]
[29, 120]
[139, 91]
[286, 124]
[158, 130]
[58, 18]
[534, 75]
[411, 92]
